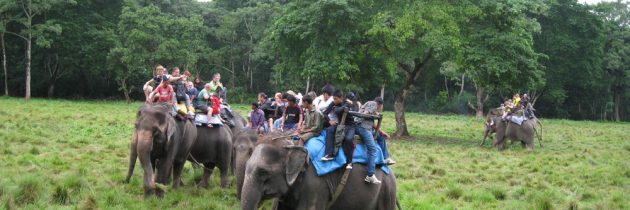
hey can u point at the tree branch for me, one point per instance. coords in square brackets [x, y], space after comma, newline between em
[25, 39]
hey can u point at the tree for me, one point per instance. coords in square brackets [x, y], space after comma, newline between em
[410, 37]
[147, 37]
[498, 50]
[616, 17]
[5, 7]
[38, 31]
[572, 37]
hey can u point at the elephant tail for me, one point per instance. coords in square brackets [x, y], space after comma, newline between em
[539, 134]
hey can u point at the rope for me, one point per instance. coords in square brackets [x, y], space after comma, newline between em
[342, 184]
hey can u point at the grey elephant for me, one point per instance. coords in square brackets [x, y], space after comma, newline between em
[213, 148]
[525, 133]
[279, 169]
[243, 146]
[161, 143]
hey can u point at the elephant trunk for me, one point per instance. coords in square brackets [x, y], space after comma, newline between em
[133, 156]
[239, 164]
[251, 195]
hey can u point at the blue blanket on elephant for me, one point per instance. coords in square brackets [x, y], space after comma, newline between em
[316, 149]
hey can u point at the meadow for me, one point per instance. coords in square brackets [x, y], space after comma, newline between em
[58, 154]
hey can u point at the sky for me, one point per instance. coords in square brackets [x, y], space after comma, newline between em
[591, 1]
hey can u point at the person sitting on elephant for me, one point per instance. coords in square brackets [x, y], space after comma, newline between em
[215, 84]
[280, 104]
[507, 108]
[313, 121]
[157, 79]
[382, 135]
[293, 115]
[209, 103]
[323, 101]
[257, 119]
[184, 105]
[335, 114]
[365, 130]
[165, 94]
[192, 94]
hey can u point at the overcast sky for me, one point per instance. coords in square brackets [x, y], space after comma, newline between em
[591, 1]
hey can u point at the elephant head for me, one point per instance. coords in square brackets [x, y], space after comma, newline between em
[154, 132]
[273, 168]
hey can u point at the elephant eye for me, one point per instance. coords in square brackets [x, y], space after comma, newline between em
[262, 173]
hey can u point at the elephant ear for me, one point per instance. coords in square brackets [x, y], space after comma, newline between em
[171, 127]
[296, 162]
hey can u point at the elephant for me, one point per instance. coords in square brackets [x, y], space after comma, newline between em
[160, 142]
[213, 148]
[243, 146]
[507, 130]
[280, 169]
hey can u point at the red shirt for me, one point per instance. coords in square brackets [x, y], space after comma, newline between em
[165, 94]
[216, 105]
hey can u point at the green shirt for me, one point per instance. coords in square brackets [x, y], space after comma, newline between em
[313, 121]
[201, 97]
[214, 86]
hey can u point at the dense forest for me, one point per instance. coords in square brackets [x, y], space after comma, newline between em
[435, 56]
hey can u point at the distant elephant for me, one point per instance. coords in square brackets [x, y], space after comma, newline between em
[279, 169]
[213, 148]
[161, 142]
[243, 145]
[525, 133]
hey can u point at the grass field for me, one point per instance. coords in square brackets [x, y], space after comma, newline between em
[57, 154]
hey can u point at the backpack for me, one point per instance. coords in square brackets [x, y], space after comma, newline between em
[180, 91]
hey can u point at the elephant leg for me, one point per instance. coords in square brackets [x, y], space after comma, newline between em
[225, 176]
[523, 144]
[529, 143]
[149, 180]
[207, 173]
[177, 174]
[485, 135]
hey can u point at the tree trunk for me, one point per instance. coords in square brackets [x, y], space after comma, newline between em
[399, 108]
[28, 67]
[461, 89]
[308, 83]
[482, 97]
[383, 91]
[51, 89]
[617, 98]
[4, 65]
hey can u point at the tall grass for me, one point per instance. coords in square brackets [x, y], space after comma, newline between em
[57, 154]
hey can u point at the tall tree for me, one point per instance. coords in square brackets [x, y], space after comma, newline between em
[572, 37]
[147, 37]
[498, 51]
[5, 7]
[410, 37]
[617, 48]
[35, 30]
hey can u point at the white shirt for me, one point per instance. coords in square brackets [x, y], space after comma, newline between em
[320, 104]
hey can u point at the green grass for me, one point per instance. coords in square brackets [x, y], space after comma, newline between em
[57, 154]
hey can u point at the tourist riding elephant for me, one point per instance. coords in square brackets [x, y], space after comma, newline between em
[279, 169]
[160, 142]
[243, 145]
[523, 133]
[213, 148]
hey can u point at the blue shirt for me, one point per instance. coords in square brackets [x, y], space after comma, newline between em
[193, 92]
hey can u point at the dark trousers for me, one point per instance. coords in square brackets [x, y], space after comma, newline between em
[347, 145]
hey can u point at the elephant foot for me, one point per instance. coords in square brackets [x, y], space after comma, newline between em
[203, 184]
[149, 192]
[225, 184]
[159, 193]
